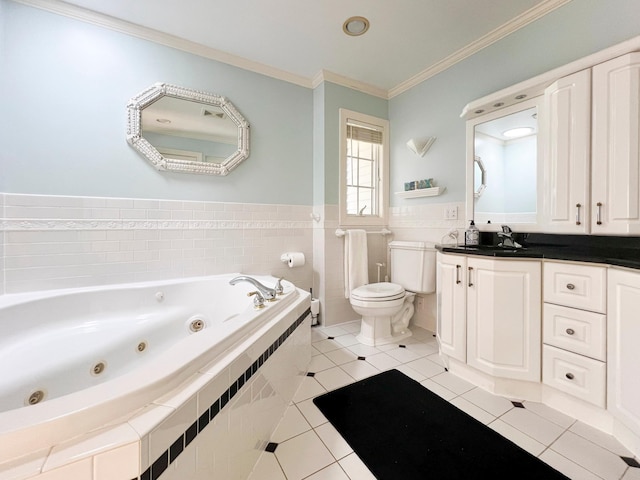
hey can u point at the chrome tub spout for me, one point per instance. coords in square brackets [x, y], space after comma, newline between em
[269, 294]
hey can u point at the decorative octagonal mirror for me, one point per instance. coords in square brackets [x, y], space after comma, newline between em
[187, 131]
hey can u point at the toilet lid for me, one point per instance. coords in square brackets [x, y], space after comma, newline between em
[378, 292]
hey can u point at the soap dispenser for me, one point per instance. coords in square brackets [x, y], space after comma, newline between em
[472, 235]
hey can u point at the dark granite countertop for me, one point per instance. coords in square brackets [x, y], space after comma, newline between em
[619, 251]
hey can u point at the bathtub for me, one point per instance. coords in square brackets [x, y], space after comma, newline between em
[73, 361]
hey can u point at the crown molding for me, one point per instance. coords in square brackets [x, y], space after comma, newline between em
[508, 28]
[112, 23]
[328, 76]
[145, 33]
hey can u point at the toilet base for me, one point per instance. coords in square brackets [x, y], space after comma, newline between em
[376, 331]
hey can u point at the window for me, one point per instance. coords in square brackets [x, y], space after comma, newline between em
[364, 169]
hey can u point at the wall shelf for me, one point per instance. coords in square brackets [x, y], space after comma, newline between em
[422, 192]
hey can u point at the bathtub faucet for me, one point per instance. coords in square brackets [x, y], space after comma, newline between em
[269, 294]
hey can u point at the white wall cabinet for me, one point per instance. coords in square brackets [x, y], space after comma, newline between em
[452, 302]
[590, 124]
[623, 342]
[565, 127]
[491, 307]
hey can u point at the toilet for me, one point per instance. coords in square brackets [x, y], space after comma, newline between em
[386, 308]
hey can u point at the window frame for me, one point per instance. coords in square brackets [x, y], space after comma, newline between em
[382, 175]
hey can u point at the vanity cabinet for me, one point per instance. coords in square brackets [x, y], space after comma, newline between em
[623, 344]
[491, 307]
[591, 161]
[574, 330]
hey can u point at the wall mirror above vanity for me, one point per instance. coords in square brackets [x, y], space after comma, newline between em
[503, 170]
[188, 131]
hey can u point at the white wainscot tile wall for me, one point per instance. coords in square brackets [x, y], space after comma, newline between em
[51, 242]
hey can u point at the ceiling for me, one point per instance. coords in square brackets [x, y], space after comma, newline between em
[304, 38]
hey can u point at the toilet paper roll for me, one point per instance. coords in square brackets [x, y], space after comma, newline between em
[294, 259]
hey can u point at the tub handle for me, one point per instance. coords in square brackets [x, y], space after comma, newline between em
[279, 288]
[258, 299]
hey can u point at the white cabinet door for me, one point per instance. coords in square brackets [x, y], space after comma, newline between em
[503, 317]
[565, 128]
[615, 177]
[623, 342]
[451, 288]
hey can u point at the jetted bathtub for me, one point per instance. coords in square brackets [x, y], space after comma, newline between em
[72, 361]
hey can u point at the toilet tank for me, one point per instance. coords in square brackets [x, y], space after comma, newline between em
[413, 265]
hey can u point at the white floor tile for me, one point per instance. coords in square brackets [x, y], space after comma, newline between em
[632, 474]
[382, 361]
[533, 425]
[426, 367]
[332, 472]
[355, 469]
[410, 372]
[438, 389]
[267, 468]
[549, 413]
[422, 349]
[333, 378]
[359, 369]
[453, 383]
[311, 413]
[470, 409]
[303, 455]
[338, 447]
[364, 350]
[309, 388]
[566, 466]
[403, 355]
[347, 340]
[352, 327]
[293, 423]
[341, 356]
[325, 346]
[493, 404]
[596, 459]
[516, 436]
[320, 362]
[335, 331]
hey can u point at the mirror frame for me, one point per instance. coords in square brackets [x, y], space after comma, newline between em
[135, 135]
[483, 177]
[537, 226]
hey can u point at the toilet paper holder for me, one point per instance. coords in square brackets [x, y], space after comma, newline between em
[293, 259]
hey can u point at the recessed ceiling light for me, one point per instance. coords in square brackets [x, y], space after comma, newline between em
[518, 132]
[355, 26]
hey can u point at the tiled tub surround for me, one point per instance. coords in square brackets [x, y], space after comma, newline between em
[65, 242]
[204, 419]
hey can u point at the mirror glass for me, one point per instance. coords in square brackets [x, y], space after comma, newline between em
[187, 131]
[505, 149]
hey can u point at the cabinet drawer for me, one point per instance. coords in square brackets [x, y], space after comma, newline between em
[574, 374]
[579, 286]
[575, 330]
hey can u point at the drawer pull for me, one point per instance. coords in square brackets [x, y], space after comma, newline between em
[569, 376]
[570, 331]
[470, 283]
[458, 267]
[578, 214]
[570, 286]
[599, 213]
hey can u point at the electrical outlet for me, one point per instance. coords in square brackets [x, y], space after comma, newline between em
[451, 213]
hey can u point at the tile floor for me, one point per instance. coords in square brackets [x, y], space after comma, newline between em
[308, 447]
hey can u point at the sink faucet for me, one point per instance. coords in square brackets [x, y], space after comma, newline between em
[506, 235]
[268, 293]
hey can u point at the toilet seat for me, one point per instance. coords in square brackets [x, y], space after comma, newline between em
[378, 292]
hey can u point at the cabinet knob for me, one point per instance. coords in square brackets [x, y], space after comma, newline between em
[570, 286]
[570, 331]
[569, 376]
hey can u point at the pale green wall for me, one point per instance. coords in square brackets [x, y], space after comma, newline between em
[65, 86]
[329, 98]
[432, 108]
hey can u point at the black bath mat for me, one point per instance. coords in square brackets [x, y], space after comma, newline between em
[403, 431]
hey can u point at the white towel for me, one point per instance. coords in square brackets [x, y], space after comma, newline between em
[356, 261]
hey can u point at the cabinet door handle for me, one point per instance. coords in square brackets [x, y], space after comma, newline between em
[570, 331]
[569, 376]
[578, 214]
[458, 281]
[470, 284]
[571, 286]
[599, 213]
